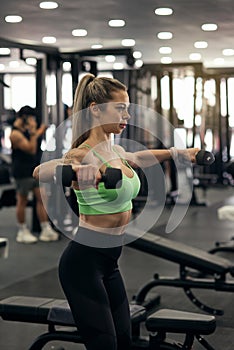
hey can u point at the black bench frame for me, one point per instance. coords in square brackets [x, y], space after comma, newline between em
[211, 271]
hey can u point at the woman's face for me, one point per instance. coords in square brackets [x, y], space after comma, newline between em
[114, 116]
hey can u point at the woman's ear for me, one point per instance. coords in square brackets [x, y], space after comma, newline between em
[94, 109]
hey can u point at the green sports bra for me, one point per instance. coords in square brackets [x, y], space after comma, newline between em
[96, 201]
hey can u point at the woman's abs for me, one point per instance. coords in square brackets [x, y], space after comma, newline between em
[106, 223]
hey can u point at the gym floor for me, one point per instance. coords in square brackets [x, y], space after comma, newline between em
[31, 270]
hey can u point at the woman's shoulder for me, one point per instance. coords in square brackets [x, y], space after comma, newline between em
[78, 154]
[119, 149]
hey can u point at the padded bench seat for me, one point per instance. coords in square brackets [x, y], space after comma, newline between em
[49, 311]
[183, 254]
[180, 322]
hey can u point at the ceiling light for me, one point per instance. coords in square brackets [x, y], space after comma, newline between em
[49, 40]
[228, 52]
[209, 27]
[110, 58]
[66, 66]
[2, 66]
[48, 5]
[96, 46]
[137, 54]
[118, 65]
[163, 11]
[164, 35]
[200, 44]
[139, 63]
[4, 51]
[79, 32]
[116, 23]
[128, 42]
[195, 56]
[13, 19]
[32, 61]
[165, 50]
[219, 60]
[166, 60]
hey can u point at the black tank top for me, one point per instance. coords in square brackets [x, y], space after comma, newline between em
[23, 163]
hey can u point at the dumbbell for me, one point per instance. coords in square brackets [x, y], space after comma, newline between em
[204, 157]
[65, 174]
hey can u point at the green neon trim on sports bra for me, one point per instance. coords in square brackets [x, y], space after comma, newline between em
[96, 201]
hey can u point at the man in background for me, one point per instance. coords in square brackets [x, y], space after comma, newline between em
[24, 140]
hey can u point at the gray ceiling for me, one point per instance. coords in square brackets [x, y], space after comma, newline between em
[141, 24]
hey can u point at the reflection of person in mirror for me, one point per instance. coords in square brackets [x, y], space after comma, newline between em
[24, 140]
[88, 268]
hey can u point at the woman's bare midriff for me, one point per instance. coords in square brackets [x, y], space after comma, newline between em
[114, 224]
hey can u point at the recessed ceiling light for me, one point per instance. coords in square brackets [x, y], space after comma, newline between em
[139, 63]
[164, 35]
[66, 66]
[200, 44]
[79, 32]
[4, 51]
[165, 50]
[228, 52]
[137, 54]
[209, 27]
[163, 11]
[166, 60]
[48, 5]
[219, 60]
[49, 40]
[96, 46]
[2, 66]
[118, 65]
[128, 42]
[13, 19]
[195, 56]
[116, 23]
[110, 58]
[32, 61]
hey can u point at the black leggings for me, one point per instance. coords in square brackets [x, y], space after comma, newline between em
[95, 291]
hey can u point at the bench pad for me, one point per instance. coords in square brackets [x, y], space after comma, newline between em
[180, 322]
[182, 254]
[49, 311]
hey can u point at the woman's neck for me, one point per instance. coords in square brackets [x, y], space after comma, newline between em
[102, 139]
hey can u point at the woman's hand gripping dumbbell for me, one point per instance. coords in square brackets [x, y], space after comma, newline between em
[64, 174]
[201, 157]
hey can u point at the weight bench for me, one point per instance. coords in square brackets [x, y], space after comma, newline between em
[188, 258]
[56, 312]
[53, 312]
[4, 247]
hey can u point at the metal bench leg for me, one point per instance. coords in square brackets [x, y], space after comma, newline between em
[43, 339]
[204, 343]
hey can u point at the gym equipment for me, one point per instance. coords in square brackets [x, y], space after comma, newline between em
[204, 158]
[4, 246]
[224, 213]
[216, 268]
[56, 312]
[7, 185]
[64, 174]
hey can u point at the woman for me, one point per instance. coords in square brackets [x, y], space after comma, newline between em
[88, 268]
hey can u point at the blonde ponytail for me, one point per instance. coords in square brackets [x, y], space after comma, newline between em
[90, 89]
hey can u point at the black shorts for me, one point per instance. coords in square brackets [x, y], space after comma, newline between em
[25, 185]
